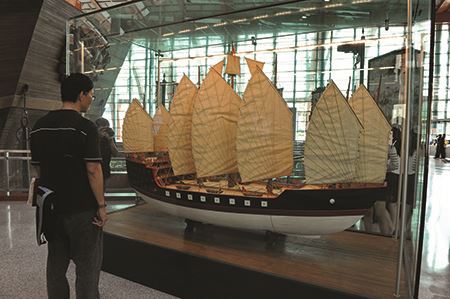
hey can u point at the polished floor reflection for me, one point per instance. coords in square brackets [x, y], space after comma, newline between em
[22, 262]
[435, 273]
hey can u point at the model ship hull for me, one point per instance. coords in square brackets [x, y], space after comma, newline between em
[295, 210]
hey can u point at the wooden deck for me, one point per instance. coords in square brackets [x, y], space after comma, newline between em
[348, 262]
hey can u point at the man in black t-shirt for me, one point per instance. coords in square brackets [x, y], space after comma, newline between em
[64, 149]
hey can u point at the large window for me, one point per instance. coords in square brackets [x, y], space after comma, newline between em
[441, 107]
[301, 64]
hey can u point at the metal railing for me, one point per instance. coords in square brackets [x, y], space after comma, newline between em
[15, 171]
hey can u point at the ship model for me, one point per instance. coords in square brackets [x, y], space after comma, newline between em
[221, 159]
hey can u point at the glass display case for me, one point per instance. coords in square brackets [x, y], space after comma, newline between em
[142, 49]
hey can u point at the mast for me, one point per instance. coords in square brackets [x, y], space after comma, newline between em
[158, 78]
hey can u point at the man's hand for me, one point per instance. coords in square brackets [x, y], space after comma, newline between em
[101, 217]
[95, 177]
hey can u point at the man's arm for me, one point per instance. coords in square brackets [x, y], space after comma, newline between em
[114, 150]
[34, 183]
[112, 142]
[37, 170]
[95, 177]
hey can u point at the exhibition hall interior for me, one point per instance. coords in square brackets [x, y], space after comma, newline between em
[255, 148]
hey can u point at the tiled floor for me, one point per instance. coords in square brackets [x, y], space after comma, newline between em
[22, 262]
[435, 275]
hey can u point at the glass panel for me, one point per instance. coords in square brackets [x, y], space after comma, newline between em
[420, 103]
[304, 45]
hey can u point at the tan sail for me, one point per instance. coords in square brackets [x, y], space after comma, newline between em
[161, 121]
[137, 129]
[332, 139]
[253, 65]
[219, 67]
[233, 65]
[180, 127]
[214, 125]
[373, 147]
[264, 138]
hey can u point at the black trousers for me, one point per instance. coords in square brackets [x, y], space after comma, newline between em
[440, 152]
[79, 240]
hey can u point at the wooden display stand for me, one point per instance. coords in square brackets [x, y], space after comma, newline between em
[153, 249]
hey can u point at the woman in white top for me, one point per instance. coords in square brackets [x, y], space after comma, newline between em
[392, 175]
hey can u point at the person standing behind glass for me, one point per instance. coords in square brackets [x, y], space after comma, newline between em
[107, 145]
[393, 173]
[440, 147]
[393, 176]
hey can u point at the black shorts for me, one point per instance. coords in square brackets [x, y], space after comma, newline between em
[392, 185]
[392, 181]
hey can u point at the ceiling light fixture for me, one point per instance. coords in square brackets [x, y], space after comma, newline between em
[220, 24]
[260, 17]
[201, 27]
[283, 13]
[239, 21]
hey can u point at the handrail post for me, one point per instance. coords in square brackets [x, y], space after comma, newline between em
[7, 173]
[29, 167]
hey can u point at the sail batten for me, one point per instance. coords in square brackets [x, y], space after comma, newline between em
[161, 121]
[332, 139]
[214, 125]
[137, 129]
[373, 146]
[179, 139]
[264, 139]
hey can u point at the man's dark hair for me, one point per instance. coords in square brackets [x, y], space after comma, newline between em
[73, 85]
